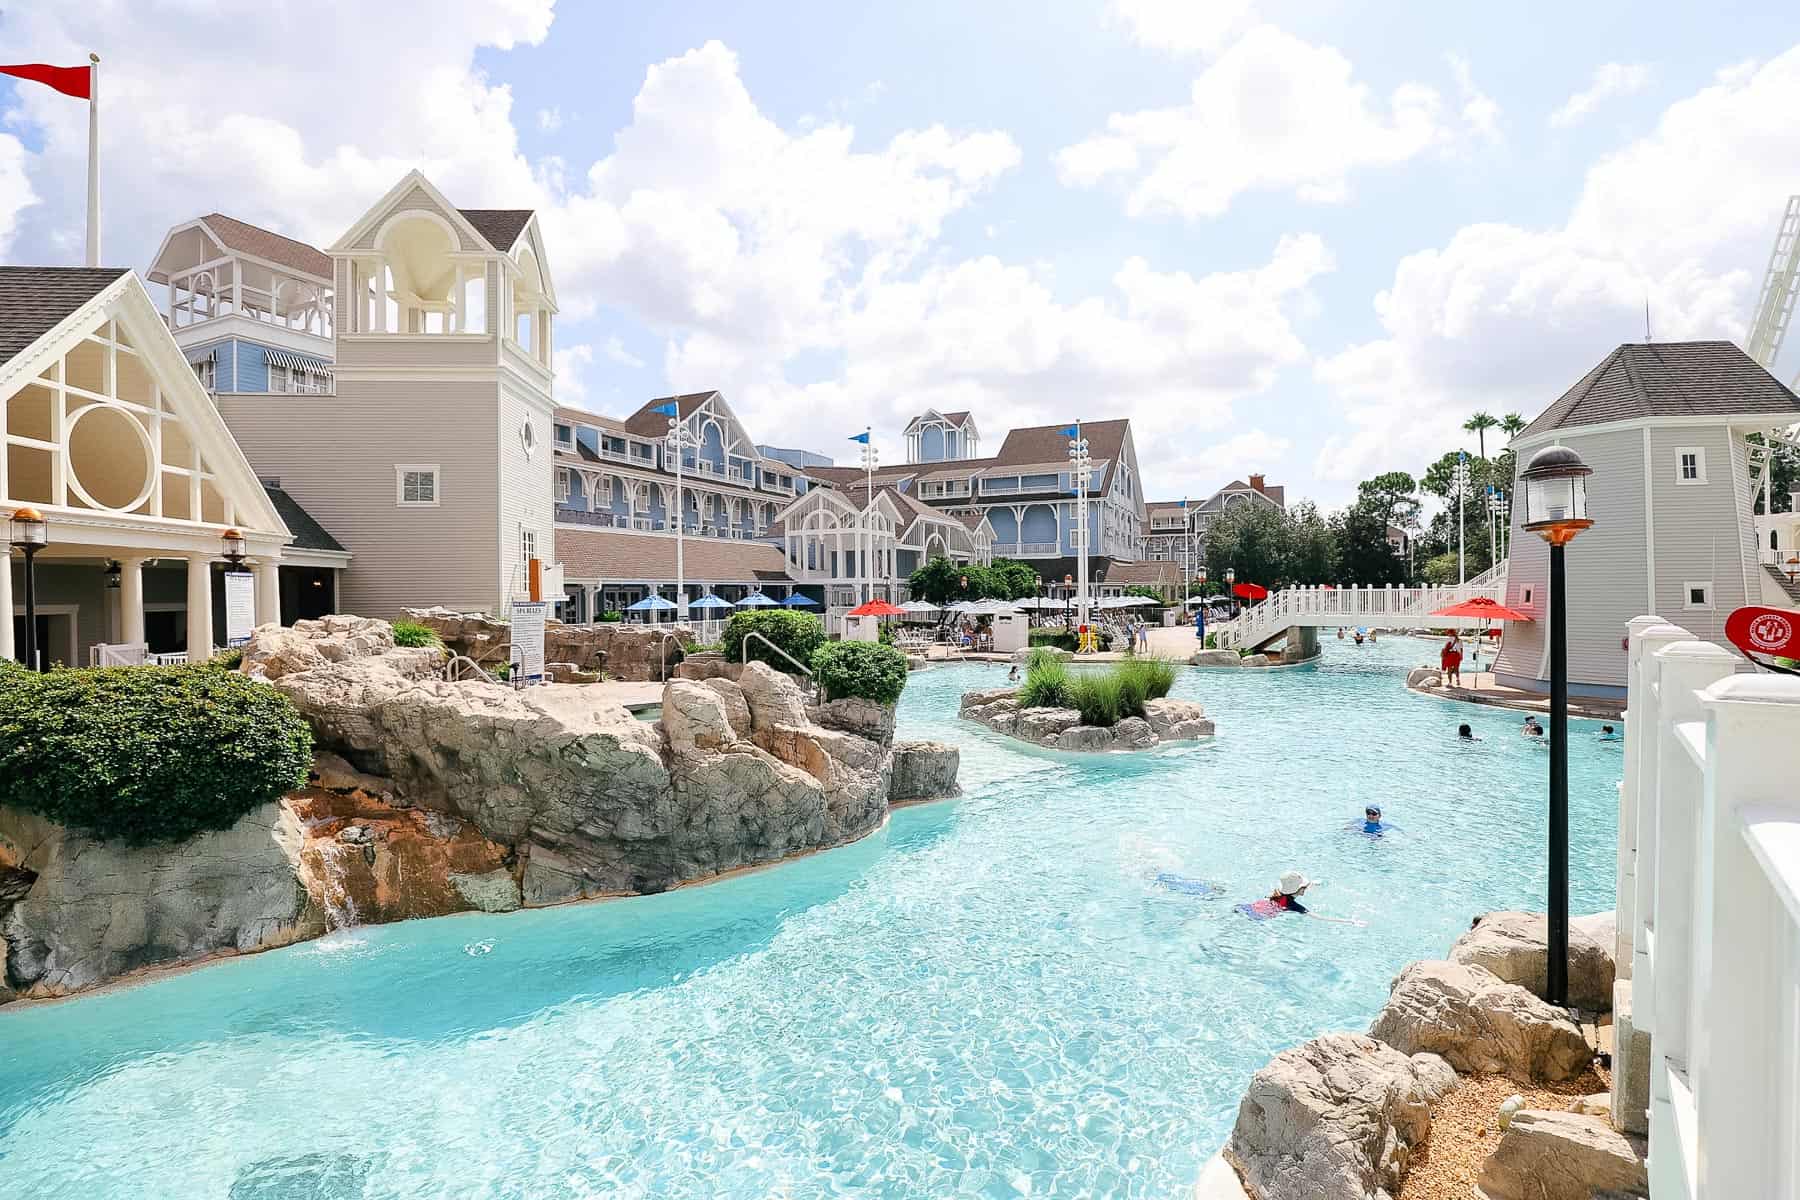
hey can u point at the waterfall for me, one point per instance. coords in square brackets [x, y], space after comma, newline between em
[340, 909]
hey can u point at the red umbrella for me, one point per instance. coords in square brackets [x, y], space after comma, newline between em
[1483, 609]
[877, 608]
[1250, 591]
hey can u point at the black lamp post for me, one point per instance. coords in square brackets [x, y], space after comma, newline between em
[30, 533]
[1556, 510]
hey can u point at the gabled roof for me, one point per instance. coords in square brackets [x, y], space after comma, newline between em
[34, 300]
[1670, 379]
[580, 416]
[647, 423]
[1048, 444]
[500, 226]
[308, 533]
[617, 556]
[284, 251]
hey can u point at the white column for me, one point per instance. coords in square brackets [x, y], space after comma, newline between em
[1625, 877]
[131, 600]
[199, 607]
[1744, 982]
[1641, 762]
[268, 591]
[6, 606]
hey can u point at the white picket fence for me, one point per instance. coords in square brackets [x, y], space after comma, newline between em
[1709, 915]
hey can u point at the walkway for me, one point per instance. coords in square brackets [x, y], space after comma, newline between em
[1480, 688]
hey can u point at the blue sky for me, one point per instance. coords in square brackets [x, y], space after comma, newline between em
[1301, 238]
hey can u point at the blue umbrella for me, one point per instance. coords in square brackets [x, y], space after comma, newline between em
[757, 600]
[709, 601]
[650, 604]
[799, 601]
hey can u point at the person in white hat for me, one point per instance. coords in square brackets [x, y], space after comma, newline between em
[1286, 896]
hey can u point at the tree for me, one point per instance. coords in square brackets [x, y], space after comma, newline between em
[1249, 539]
[1311, 553]
[1440, 477]
[1364, 554]
[1013, 579]
[1478, 424]
[1512, 425]
[938, 581]
[1784, 477]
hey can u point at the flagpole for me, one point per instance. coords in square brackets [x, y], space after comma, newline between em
[93, 180]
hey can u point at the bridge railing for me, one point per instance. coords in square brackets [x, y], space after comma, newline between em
[1709, 918]
[1368, 605]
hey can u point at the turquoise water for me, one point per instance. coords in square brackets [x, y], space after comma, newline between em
[991, 997]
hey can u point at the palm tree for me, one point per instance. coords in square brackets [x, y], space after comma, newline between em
[1512, 425]
[1478, 424]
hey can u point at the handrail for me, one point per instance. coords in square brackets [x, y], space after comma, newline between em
[450, 669]
[771, 645]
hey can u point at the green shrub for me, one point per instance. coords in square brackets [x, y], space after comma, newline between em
[1046, 682]
[1062, 639]
[703, 648]
[1099, 696]
[865, 670]
[411, 633]
[227, 660]
[799, 634]
[147, 754]
[1146, 678]
[612, 615]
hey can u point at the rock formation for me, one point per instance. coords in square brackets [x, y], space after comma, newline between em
[1480, 1024]
[924, 771]
[1563, 1156]
[631, 652]
[1335, 1118]
[1164, 720]
[1514, 946]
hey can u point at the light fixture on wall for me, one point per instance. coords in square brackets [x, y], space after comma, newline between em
[114, 572]
[232, 546]
[1556, 510]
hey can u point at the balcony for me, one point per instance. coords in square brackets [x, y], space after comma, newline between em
[1027, 549]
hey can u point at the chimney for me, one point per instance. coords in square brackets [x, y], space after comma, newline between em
[1256, 481]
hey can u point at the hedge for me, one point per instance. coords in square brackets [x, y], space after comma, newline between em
[865, 670]
[147, 754]
[800, 634]
[412, 633]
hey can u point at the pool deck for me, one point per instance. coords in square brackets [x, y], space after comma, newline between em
[1480, 688]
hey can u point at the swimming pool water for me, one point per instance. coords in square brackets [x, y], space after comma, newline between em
[991, 997]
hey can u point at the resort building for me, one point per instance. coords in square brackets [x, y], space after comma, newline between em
[1664, 427]
[396, 387]
[1175, 530]
[1778, 545]
[106, 431]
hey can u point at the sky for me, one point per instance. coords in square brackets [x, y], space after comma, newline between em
[1305, 238]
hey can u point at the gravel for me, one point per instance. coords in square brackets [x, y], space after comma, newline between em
[1464, 1131]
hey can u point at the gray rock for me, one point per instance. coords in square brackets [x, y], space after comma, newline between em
[1039, 724]
[1255, 660]
[982, 698]
[1216, 658]
[924, 771]
[865, 718]
[1480, 1024]
[1133, 733]
[773, 698]
[1427, 677]
[1336, 1118]
[1164, 715]
[1562, 1156]
[1084, 737]
[490, 891]
[1513, 946]
[99, 910]
[737, 710]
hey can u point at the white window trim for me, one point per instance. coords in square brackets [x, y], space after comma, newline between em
[562, 485]
[437, 485]
[1687, 594]
[527, 544]
[1699, 453]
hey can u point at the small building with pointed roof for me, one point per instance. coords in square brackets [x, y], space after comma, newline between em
[1666, 428]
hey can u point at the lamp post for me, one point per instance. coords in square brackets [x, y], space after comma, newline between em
[1231, 588]
[29, 533]
[680, 438]
[231, 548]
[1080, 465]
[1459, 476]
[1556, 510]
[866, 551]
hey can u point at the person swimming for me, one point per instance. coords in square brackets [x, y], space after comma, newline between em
[1531, 728]
[1012, 676]
[1372, 825]
[1465, 734]
[1286, 898]
[1609, 734]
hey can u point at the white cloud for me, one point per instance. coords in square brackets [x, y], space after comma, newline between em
[1480, 111]
[571, 364]
[1272, 113]
[615, 351]
[1610, 80]
[1183, 26]
[1505, 318]
[15, 188]
[549, 119]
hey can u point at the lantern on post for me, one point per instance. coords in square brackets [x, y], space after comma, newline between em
[30, 533]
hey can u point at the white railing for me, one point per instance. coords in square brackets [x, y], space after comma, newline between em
[1027, 549]
[178, 658]
[118, 654]
[1709, 917]
[1319, 605]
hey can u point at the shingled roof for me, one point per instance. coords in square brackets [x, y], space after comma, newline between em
[1670, 379]
[308, 533]
[615, 555]
[268, 245]
[500, 226]
[34, 299]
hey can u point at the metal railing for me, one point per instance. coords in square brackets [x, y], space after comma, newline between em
[1708, 886]
[460, 666]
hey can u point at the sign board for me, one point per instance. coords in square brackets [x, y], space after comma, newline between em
[240, 607]
[528, 638]
[1771, 631]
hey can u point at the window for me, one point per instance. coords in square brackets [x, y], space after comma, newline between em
[1696, 595]
[1690, 465]
[562, 486]
[565, 437]
[416, 485]
[527, 545]
[297, 380]
[1527, 599]
[206, 370]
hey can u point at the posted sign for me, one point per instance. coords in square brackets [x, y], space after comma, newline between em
[528, 637]
[1772, 631]
[240, 607]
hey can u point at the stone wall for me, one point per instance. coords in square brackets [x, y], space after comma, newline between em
[1164, 720]
[626, 652]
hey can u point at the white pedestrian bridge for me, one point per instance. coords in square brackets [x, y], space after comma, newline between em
[1322, 605]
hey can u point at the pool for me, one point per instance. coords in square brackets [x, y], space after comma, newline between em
[991, 997]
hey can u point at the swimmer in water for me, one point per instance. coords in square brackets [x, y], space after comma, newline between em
[1609, 734]
[1531, 728]
[1465, 734]
[1287, 893]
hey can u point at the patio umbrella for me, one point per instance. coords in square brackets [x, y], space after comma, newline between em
[799, 601]
[709, 601]
[758, 600]
[1483, 609]
[651, 604]
[876, 608]
[919, 606]
[1250, 591]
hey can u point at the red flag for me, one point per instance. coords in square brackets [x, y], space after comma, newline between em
[70, 81]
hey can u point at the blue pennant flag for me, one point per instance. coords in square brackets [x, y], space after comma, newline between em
[1072, 431]
[667, 410]
[860, 437]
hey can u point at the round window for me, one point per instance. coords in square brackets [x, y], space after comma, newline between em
[528, 437]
